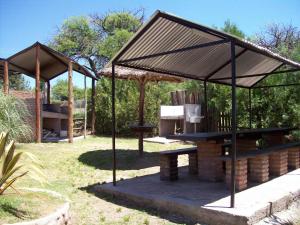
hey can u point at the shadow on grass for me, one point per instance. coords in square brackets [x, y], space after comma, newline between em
[127, 159]
[142, 208]
[21, 214]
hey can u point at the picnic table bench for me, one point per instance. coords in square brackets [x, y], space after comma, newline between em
[169, 162]
[273, 160]
[212, 161]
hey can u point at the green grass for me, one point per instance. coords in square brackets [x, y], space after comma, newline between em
[17, 207]
[71, 170]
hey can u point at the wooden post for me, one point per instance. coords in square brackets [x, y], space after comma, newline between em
[142, 84]
[48, 92]
[37, 96]
[93, 106]
[6, 81]
[70, 102]
[85, 107]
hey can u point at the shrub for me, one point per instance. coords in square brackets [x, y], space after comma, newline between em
[13, 114]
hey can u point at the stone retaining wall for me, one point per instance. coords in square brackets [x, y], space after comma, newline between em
[60, 217]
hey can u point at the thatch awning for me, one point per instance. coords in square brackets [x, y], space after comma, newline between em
[139, 75]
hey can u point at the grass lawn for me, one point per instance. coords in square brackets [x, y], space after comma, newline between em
[72, 169]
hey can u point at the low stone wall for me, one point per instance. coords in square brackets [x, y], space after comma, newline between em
[60, 217]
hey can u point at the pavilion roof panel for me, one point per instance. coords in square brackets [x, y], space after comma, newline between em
[173, 45]
[52, 63]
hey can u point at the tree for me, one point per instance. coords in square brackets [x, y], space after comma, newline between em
[279, 106]
[94, 39]
[233, 29]
[60, 91]
[16, 82]
[280, 38]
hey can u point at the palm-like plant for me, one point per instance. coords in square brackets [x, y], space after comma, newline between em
[10, 167]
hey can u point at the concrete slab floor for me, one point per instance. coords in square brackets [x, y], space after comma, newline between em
[208, 202]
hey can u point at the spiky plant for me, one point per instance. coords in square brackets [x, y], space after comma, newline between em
[11, 168]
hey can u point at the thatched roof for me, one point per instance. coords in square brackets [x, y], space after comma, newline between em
[140, 75]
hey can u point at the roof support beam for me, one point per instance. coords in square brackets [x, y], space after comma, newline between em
[187, 76]
[5, 78]
[113, 123]
[38, 131]
[266, 76]
[224, 65]
[176, 51]
[93, 105]
[258, 74]
[70, 102]
[48, 91]
[277, 85]
[233, 124]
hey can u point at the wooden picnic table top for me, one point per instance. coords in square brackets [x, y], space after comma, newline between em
[246, 133]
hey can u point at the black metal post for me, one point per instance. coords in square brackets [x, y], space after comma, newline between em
[250, 109]
[113, 123]
[205, 106]
[233, 124]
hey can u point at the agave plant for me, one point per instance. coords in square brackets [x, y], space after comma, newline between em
[11, 168]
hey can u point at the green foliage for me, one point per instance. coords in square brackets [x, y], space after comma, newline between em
[93, 40]
[120, 21]
[13, 113]
[11, 169]
[60, 91]
[16, 82]
[127, 97]
[233, 29]
[113, 43]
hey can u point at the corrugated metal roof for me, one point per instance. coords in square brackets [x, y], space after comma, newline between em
[52, 63]
[172, 45]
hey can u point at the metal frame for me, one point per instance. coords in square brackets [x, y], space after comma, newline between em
[233, 124]
[225, 38]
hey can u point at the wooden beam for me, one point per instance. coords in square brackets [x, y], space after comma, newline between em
[48, 92]
[93, 105]
[38, 132]
[85, 106]
[142, 84]
[5, 78]
[70, 102]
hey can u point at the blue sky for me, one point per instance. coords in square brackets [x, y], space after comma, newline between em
[23, 22]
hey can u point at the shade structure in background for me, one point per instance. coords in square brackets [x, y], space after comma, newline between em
[44, 64]
[142, 77]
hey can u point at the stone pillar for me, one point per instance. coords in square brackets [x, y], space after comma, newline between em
[278, 163]
[259, 168]
[240, 174]
[168, 167]
[209, 163]
[294, 158]
[193, 163]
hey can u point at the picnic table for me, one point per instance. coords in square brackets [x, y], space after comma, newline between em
[210, 149]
